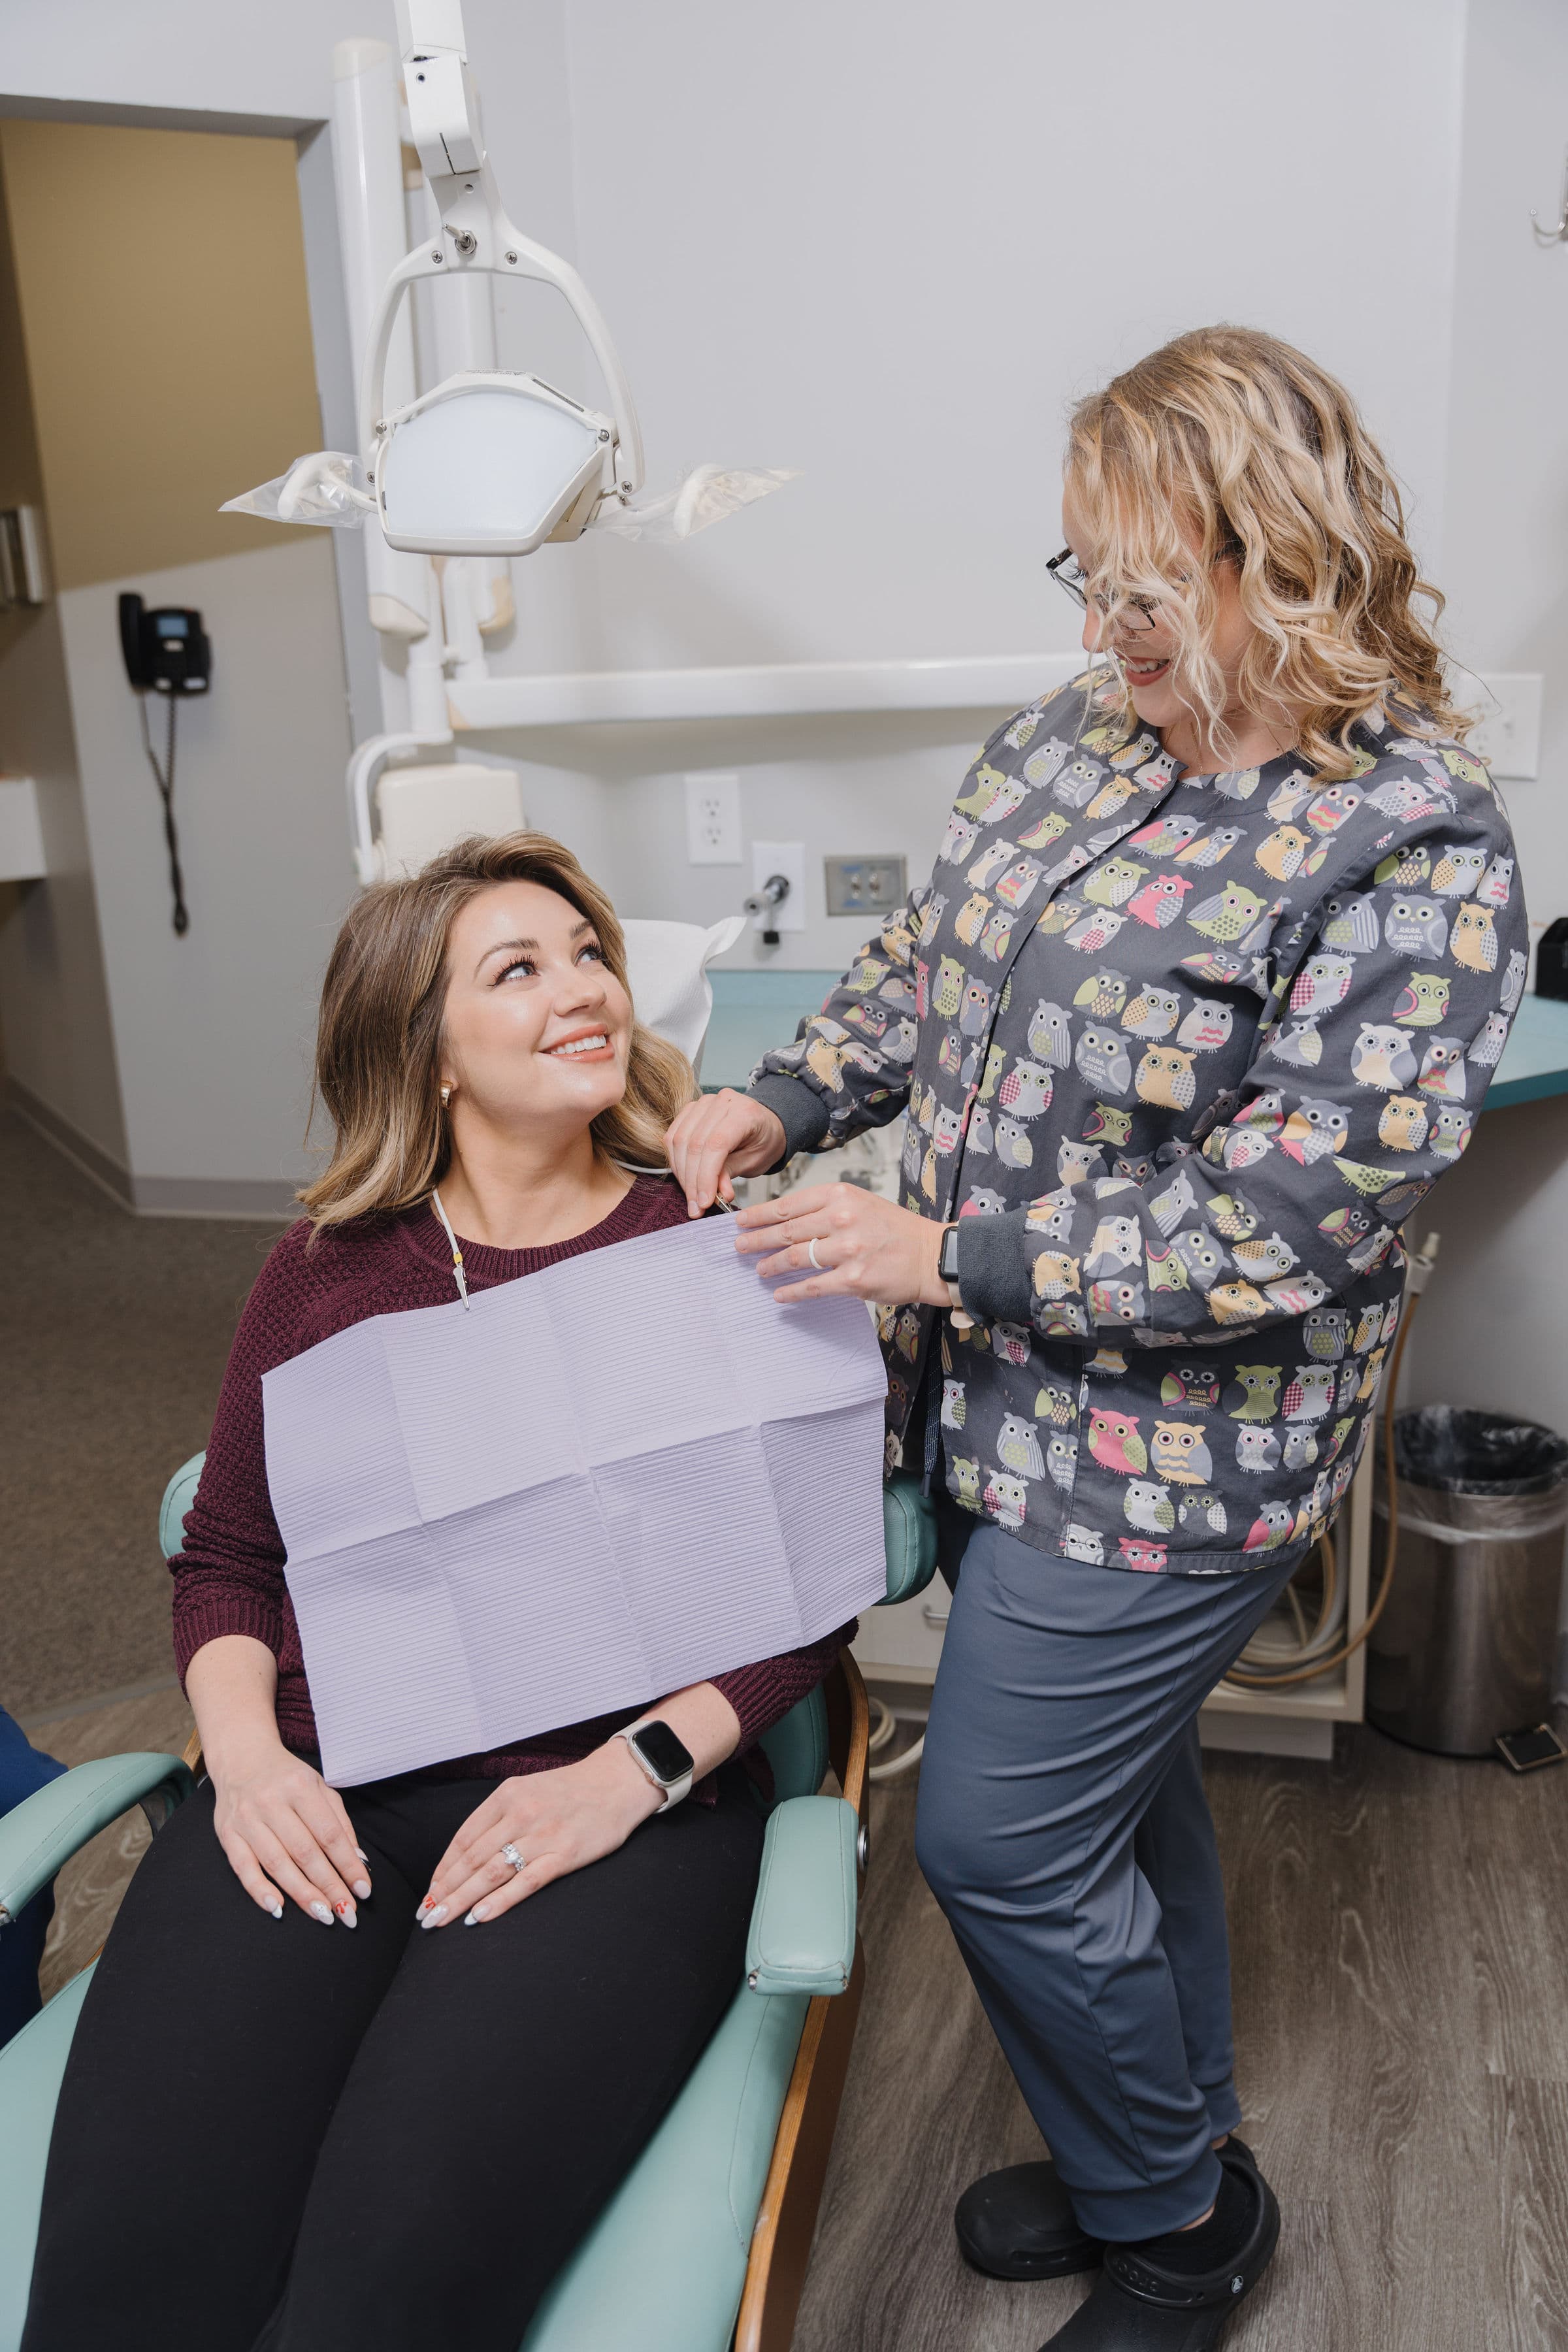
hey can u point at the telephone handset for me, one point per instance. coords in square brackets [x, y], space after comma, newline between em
[166, 652]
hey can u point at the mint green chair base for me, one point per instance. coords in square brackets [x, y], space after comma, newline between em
[704, 2245]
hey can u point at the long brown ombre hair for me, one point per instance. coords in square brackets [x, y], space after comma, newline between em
[378, 1042]
[1228, 443]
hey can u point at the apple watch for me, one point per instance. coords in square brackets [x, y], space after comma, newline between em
[661, 1758]
[947, 1268]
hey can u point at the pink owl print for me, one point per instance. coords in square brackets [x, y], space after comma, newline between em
[1136, 1553]
[1160, 902]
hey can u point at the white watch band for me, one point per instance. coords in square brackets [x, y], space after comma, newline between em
[672, 1791]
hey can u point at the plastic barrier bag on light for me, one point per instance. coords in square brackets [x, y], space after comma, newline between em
[706, 496]
[329, 489]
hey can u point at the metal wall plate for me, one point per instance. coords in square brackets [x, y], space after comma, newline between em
[864, 885]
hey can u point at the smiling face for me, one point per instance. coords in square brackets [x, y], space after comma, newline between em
[537, 1028]
[1147, 654]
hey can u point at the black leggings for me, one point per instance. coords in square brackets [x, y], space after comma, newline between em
[275, 2134]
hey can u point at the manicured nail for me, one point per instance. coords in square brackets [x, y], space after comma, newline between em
[361, 1854]
[434, 1917]
[428, 1905]
[346, 1913]
[276, 1908]
[319, 1911]
[477, 1917]
[362, 1888]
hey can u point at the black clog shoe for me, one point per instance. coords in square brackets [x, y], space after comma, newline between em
[1018, 2223]
[1139, 2305]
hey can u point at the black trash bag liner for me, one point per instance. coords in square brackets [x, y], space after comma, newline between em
[1457, 1452]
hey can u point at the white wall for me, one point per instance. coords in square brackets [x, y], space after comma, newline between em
[889, 244]
[52, 979]
[211, 1031]
[1492, 1323]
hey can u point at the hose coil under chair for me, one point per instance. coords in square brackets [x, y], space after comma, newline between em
[1268, 1665]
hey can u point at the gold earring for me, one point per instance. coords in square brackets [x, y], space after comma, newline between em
[446, 1097]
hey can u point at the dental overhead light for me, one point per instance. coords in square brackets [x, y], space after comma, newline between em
[487, 463]
[449, 483]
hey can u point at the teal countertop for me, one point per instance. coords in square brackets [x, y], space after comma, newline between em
[755, 1010]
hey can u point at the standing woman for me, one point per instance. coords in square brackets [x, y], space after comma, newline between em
[1203, 993]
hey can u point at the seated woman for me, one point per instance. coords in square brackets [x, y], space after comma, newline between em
[269, 2135]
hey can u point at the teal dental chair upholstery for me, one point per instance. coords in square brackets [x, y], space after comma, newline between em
[704, 2244]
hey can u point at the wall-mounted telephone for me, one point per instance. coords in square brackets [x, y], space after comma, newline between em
[166, 652]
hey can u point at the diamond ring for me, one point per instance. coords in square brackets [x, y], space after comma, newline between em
[509, 1854]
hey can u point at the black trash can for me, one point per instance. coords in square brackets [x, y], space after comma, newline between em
[1465, 1648]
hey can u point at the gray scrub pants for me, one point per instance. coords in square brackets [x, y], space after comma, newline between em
[1064, 1830]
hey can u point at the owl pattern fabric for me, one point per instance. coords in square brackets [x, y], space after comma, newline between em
[1180, 1057]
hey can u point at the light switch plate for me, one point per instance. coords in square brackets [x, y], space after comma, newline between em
[1506, 735]
[864, 885]
[788, 858]
[714, 819]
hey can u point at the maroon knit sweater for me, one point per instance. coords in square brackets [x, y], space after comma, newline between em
[229, 1577]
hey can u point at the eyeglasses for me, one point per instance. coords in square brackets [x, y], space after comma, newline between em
[1065, 569]
[1137, 611]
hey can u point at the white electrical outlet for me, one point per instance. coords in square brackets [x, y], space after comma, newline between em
[1507, 734]
[788, 858]
[713, 820]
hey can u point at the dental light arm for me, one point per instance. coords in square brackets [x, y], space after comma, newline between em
[572, 458]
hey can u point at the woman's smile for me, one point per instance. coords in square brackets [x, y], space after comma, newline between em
[583, 1045]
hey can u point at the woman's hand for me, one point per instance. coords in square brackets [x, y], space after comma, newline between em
[286, 1832]
[558, 1821]
[866, 1248]
[719, 1136]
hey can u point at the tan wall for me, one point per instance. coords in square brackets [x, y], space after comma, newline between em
[21, 481]
[161, 284]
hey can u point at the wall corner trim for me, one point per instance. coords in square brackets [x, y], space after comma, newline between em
[235, 1200]
[90, 1158]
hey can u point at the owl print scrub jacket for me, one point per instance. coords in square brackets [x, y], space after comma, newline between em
[1180, 1057]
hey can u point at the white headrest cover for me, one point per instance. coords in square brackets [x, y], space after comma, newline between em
[666, 966]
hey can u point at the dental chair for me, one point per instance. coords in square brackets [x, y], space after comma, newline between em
[704, 2246]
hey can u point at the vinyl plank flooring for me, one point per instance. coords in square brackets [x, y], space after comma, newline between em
[1385, 1991]
[1515, 1854]
[1530, 2207]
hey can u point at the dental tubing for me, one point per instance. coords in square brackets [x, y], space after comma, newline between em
[1302, 1664]
[1268, 1663]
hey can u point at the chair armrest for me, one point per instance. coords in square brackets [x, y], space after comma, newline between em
[802, 1937]
[46, 1828]
[908, 1526]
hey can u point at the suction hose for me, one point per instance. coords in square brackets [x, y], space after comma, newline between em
[1265, 1665]
[1260, 1667]
[884, 1724]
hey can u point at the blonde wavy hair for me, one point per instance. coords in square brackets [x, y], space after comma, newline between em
[378, 1042]
[1227, 443]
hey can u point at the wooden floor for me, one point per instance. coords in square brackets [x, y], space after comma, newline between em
[1400, 1929]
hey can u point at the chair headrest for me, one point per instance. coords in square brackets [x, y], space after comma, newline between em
[667, 965]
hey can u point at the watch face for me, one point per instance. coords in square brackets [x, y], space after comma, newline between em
[667, 1757]
[947, 1259]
